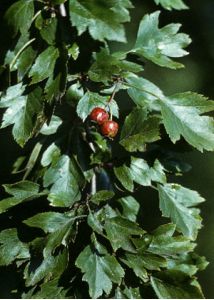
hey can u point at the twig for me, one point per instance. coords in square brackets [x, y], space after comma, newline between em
[62, 10]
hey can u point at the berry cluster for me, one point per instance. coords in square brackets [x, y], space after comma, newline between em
[108, 127]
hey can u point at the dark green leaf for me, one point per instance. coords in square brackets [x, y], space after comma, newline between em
[11, 247]
[119, 231]
[106, 66]
[66, 179]
[102, 19]
[19, 15]
[21, 111]
[165, 290]
[22, 191]
[101, 196]
[100, 268]
[43, 67]
[123, 174]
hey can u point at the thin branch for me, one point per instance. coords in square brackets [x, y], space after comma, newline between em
[62, 10]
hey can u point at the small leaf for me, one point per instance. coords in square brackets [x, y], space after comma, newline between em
[123, 174]
[43, 67]
[51, 154]
[165, 42]
[176, 202]
[100, 268]
[11, 247]
[52, 127]
[101, 196]
[91, 100]
[138, 129]
[169, 4]
[130, 207]
[21, 111]
[119, 231]
[66, 179]
[22, 191]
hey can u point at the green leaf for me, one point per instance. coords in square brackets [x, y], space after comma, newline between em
[170, 246]
[165, 290]
[43, 67]
[66, 179]
[24, 59]
[102, 19]
[50, 268]
[101, 269]
[176, 202]
[48, 290]
[74, 93]
[19, 15]
[48, 221]
[127, 293]
[123, 174]
[143, 174]
[106, 66]
[91, 100]
[51, 154]
[21, 111]
[48, 28]
[165, 42]
[119, 231]
[130, 207]
[139, 264]
[143, 92]
[139, 130]
[11, 248]
[101, 196]
[22, 191]
[52, 127]
[169, 4]
[181, 116]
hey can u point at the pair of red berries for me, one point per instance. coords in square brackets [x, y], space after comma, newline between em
[107, 127]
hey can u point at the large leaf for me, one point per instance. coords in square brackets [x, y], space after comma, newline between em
[66, 180]
[43, 67]
[166, 290]
[169, 4]
[181, 116]
[11, 247]
[119, 231]
[103, 19]
[124, 175]
[91, 100]
[165, 42]
[20, 14]
[21, 111]
[176, 202]
[21, 191]
[101, 269]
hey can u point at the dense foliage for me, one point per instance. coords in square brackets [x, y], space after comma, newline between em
[81, 233]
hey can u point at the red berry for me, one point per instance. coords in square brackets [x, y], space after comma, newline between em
[99, 115]
[109, 128]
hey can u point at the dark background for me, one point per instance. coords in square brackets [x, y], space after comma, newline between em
[198, 22]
